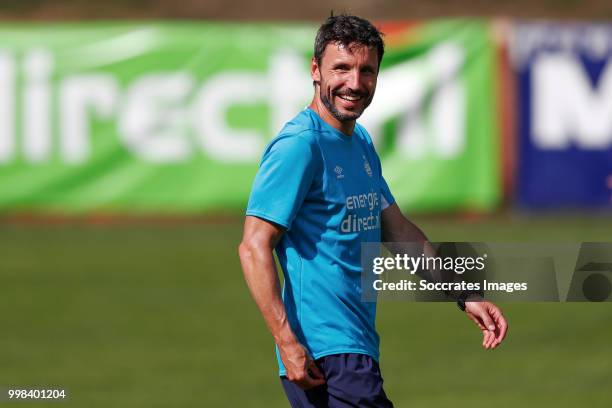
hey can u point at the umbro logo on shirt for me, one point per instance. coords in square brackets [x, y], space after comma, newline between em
[338, 170]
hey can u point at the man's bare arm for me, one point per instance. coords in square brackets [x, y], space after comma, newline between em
[397, 229]
[259, 269]
[401, 236]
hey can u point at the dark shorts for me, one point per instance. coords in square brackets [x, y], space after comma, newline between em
[352, 380]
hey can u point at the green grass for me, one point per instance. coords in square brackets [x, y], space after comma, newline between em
[159, 316]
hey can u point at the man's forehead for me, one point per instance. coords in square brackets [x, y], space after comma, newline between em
[339, 49]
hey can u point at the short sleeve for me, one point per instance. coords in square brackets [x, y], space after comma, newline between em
[386, 198]
[283, 180]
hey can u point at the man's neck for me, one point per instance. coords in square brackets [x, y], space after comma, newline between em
[344, 127]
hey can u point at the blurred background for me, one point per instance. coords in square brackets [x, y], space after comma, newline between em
[130, 133]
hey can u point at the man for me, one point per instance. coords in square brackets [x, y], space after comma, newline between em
[319, 193]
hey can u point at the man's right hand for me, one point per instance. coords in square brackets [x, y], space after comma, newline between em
[301, 368]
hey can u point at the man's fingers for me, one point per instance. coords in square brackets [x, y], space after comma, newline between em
[316, 382]
[487, 338]
[491, 340]
[502, 324]
[314, 371]
[490, 320]
[486, 319]
[475, 320]
[500, 333]
[311, 377]
[488, 335]
[308, 382]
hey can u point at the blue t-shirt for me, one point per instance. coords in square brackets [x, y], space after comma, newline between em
[327, 190]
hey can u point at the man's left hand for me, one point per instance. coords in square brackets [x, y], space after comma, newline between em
[490, 320]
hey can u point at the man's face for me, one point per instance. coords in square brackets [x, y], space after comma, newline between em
[346, 77]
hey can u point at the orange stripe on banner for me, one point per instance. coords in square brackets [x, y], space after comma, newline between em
[506, 95]
[397, 32]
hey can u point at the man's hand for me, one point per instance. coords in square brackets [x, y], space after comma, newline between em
[490, 320]
[300, 367]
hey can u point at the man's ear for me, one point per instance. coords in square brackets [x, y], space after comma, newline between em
[315, 73]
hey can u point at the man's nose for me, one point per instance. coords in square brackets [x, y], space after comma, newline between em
[354, 80]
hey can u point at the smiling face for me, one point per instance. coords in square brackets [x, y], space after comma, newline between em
[345, 80]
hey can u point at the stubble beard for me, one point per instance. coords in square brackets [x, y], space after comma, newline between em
[341, 117]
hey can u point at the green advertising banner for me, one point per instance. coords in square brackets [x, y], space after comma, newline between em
[173, 117]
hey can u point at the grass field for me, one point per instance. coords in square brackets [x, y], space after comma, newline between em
[158, 316]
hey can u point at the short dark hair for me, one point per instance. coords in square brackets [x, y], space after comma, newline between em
[346, 29]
